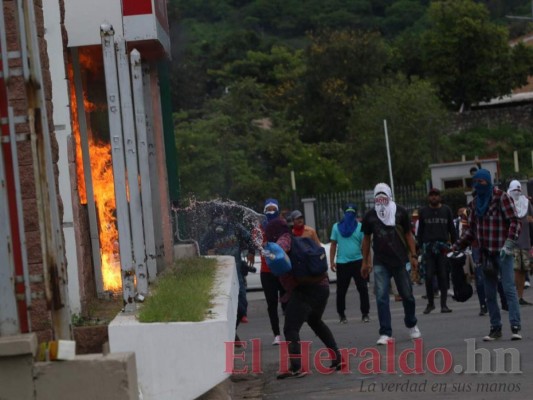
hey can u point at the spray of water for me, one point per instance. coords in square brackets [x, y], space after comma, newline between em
[194, 220]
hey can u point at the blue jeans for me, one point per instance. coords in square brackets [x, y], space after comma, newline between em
[242, 304]
[506, 272]
[382, 277]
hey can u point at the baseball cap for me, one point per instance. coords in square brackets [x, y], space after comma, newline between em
[296, 214]
[434, 191]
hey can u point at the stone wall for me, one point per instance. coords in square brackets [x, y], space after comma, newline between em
[517, 115]
[42, 287]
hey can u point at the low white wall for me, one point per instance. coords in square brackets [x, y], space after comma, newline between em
[182, 360]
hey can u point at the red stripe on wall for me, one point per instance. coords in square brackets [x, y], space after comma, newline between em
[136, 7]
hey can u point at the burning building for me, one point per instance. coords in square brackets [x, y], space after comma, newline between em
[85, 148]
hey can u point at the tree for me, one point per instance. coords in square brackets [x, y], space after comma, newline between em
[339, 64]
[240, 150]
[278, 71]
[467, 56]
[415, 118]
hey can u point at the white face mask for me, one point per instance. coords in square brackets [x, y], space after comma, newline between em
[381, 202]
[515, 194]
[385, 209]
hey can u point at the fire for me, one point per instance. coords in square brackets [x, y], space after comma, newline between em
[102, 179]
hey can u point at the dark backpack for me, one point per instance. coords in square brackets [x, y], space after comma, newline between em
[462, 290]
[307, 257]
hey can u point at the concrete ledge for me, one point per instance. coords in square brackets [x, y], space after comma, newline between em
[87, 377]
[16, 366]
[18, 345]
[182, 360]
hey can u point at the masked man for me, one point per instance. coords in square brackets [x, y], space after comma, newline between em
[388, 228]
[493, 221]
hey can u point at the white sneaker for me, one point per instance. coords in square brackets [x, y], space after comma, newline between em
[277, 340]
[414, 332]
[527, 284]
[383, 340]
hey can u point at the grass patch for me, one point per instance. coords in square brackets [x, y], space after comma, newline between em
[182, 293]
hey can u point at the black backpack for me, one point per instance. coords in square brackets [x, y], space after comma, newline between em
[462, 290]
[307, 257]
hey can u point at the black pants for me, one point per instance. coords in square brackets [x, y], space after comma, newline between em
[345, 273]
[307, 304]
[437, 264]
[273, 292]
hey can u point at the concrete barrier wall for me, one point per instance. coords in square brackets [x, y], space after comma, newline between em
[94, 376]
[88, 377]
[182, 360]
[16, 366]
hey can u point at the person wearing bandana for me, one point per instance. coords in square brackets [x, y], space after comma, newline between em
[306, 302]
[270, 283]
[494, 222]
[300, 229]
[388, 229]
[521, 253]
[229, 238]
[346, 260]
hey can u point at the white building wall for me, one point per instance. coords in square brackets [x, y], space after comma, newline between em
[83, 19]
[459, 170]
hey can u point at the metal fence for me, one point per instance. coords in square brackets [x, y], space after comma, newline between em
[329, 207]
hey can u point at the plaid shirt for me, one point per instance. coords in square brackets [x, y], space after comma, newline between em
[499, 223]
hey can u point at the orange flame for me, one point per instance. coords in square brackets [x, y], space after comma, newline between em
[102, 180]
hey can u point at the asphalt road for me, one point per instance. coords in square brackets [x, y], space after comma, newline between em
[452, 361]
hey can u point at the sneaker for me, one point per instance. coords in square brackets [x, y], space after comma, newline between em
[244, 319]
[494, 334]
[445, 310]
[337, 366]
[522, 302]
[366, 318]
[527, 285]
[343, 320]
[482, 311]
[292, 374]
[237, 341]
[429, 308]
[414, 332]
[277, 340]
[516, 333]
[383, 340]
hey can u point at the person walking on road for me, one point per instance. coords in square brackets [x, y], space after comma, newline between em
[521, 253]
[300, 229]
[436, 229]
[346, 260]
[494, 222]
[388, 229]
[269, 282]
[306, 298]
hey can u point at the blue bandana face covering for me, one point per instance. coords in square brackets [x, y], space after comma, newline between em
[349, 223]
[483, 192]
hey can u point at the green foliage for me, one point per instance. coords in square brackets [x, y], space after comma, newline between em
[468, 57]
[500, 141]
[339, 64]
[234, 151]
[415, 119]
[181, 293]
[265, 87]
